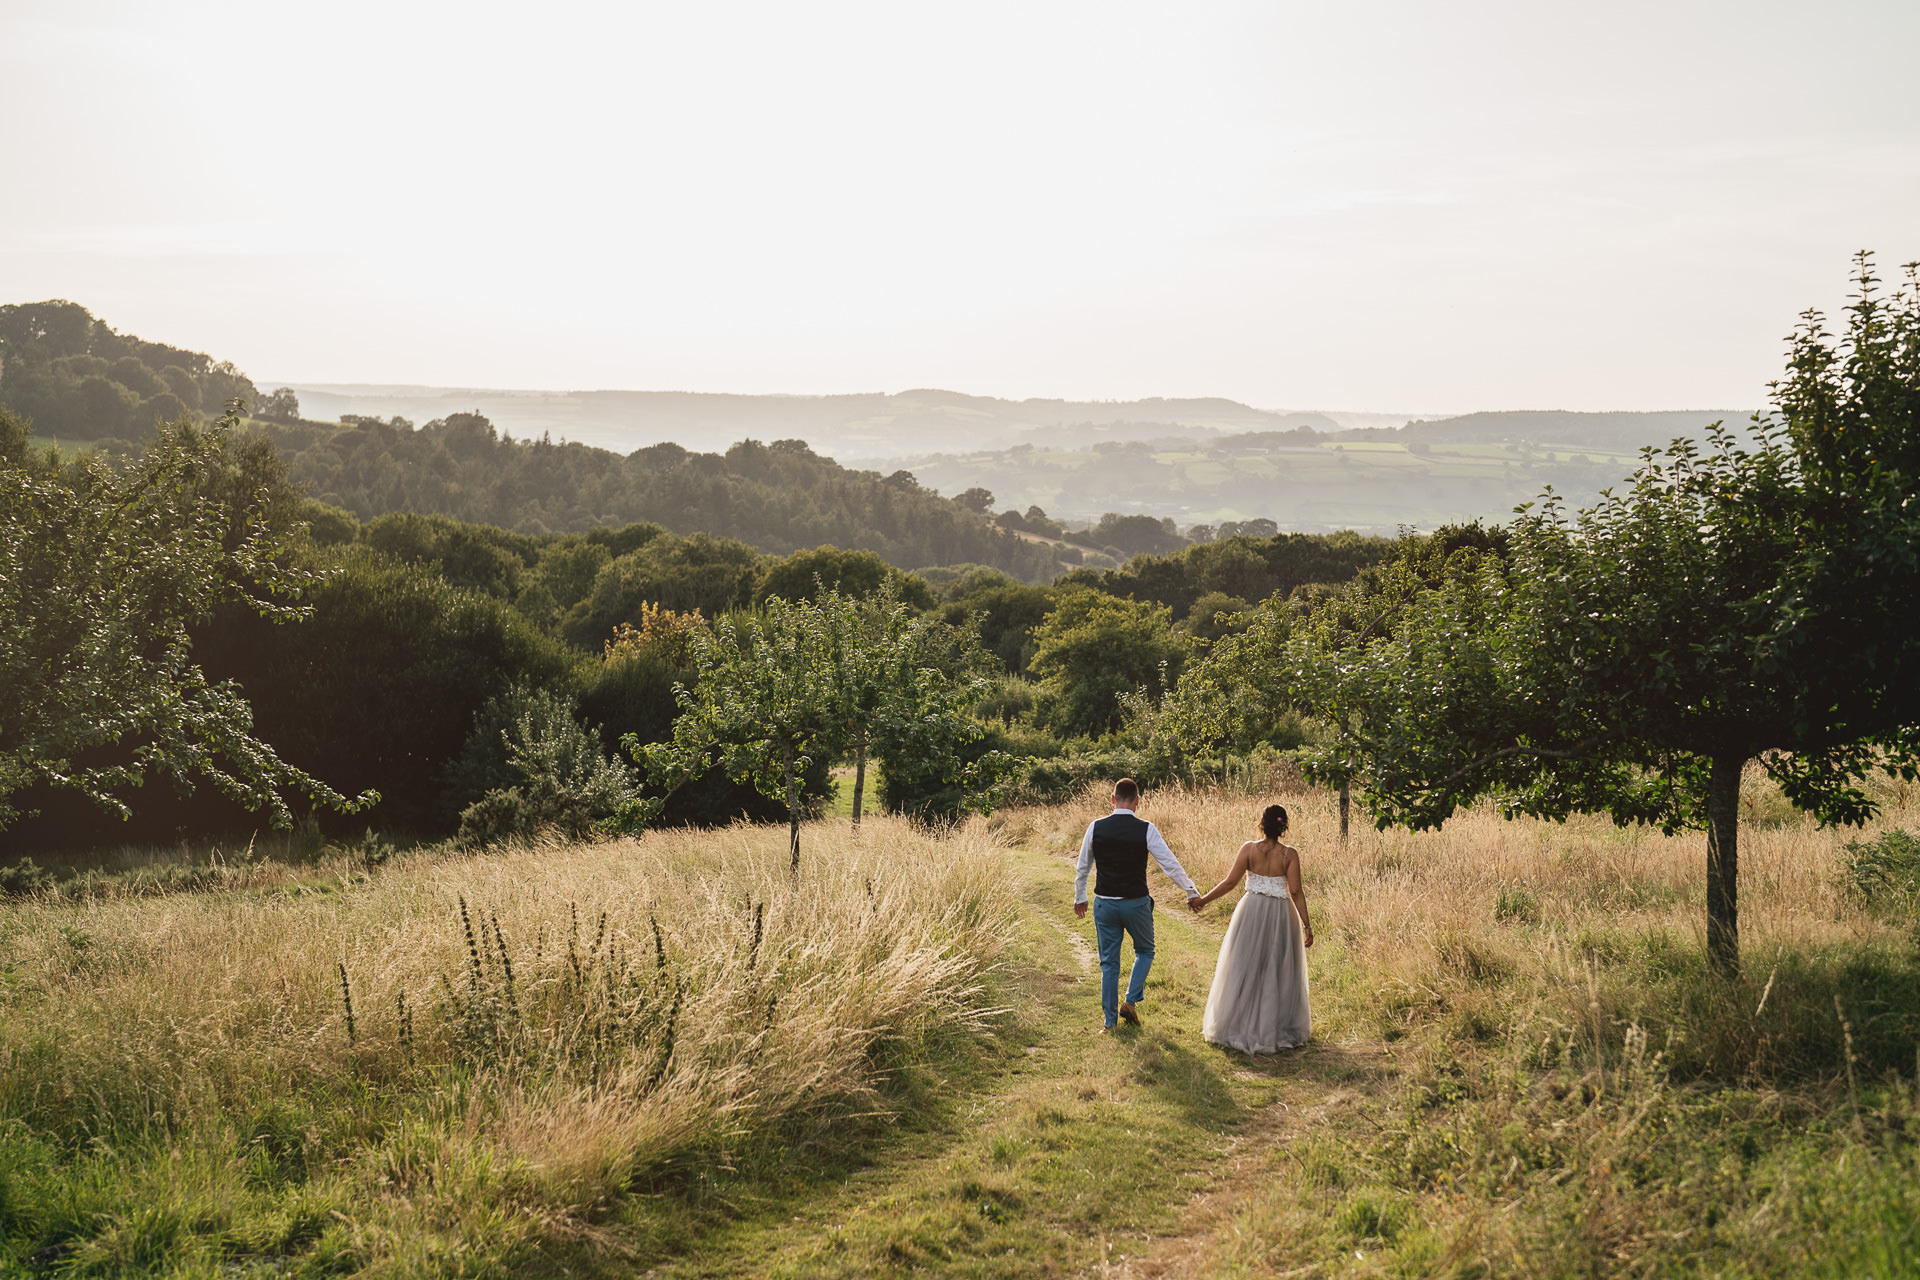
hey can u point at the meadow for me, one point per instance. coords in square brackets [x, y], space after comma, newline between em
[1370, 486]
[660, 1057]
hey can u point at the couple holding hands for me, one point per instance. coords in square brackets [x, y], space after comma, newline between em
[1258, 1003]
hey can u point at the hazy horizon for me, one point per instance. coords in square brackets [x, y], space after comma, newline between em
[1381, 204]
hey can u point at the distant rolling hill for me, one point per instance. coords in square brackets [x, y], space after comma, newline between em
[1426, 474]
[871, 426]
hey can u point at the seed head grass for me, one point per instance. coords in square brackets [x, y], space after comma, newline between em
[409, 1045]
[1528, 1069]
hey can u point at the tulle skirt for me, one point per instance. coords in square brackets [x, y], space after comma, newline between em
[1259, 999]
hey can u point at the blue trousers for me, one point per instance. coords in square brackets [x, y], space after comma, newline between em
[1111, 918]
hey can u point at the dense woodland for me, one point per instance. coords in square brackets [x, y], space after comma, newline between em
[1632, 658]
[418, 635]
[73, 377]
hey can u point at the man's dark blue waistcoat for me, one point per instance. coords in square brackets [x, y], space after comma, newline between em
[1120, 857]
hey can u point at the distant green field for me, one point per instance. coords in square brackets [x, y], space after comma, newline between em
[1367, 485]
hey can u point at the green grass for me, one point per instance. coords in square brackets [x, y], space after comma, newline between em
[1639, 1117]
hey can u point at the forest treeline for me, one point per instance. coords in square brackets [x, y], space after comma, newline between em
[421, 636]
[73, 377]
[777, 497]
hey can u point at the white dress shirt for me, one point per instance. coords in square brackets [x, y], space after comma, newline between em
[1156, 845]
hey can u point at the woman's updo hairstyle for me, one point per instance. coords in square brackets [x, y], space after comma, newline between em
[1274, 821]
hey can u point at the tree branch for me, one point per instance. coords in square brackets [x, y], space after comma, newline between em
[1579, 748]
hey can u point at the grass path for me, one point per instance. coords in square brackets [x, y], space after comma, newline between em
[1069, 1153]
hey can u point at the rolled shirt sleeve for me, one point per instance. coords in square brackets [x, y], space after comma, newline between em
[1157, 846]
[1086, 865]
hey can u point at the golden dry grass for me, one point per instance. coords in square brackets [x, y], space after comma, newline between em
[565, 1052]
[1390, 896]
[1592, 920]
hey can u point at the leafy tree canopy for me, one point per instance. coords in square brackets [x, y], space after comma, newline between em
[1634, 657]
[71, 375]
[1092, 649]
[102, 577]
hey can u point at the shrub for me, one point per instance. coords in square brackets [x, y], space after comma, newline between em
[379, 687]
[24, 878]
[1885, 871]
[538, 769]
[631, 691]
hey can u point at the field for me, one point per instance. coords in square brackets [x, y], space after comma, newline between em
[659, 1057]
[1371, 486]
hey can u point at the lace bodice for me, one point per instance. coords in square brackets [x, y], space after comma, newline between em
[1272, 886]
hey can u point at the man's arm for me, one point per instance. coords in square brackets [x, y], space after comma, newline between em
[1080, 872]
[1157, 846]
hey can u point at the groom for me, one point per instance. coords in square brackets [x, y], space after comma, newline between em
[1118, 845]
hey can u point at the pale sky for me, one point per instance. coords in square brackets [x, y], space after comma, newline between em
[1425, 206]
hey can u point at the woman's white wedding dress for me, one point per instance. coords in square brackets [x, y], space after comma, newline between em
[1259, 999]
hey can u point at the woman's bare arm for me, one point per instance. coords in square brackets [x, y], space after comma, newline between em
[1299, 895]
[1233, 877]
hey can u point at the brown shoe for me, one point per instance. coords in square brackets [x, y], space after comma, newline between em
[1128, 1012]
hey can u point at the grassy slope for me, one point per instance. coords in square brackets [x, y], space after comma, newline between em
[1518, 1069]
[1062, 1149]
[1451, 1122]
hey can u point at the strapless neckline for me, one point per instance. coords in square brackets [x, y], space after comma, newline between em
[1272, 886]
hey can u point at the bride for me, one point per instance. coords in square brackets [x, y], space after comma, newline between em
[1259, 999]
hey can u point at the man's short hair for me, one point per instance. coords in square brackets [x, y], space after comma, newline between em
[1126, 789]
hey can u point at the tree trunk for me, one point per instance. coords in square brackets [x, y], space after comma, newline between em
[859, 776]
[793, 812]
[1346, 807]
[1723, 864]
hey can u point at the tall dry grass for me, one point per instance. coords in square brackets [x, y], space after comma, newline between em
[556, 1021]
[1538, 1075]
[1601, 926]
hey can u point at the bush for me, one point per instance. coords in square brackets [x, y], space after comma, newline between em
[631, 691]
[380, 686]
[538, 769]
[23, 878]
[1884, 872]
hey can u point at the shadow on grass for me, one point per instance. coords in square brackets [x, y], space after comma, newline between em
[1189, 1082]
[1795, 1013]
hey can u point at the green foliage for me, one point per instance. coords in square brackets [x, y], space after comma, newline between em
[1003, 612]
[777, 498]
[562, 576]
[477, 557]
[909, 688]
[23, 879]
[1093, 649]
[807, 680]
[1136, 535]
[102, 577]
[383, 677]
[1517, 902]
[75, 378]
[1633, 658]
[766, 704]
[1885, 871]
[1216, 615]
[711, 575]
[537, 769]
[632, 692]
[804, 575]
[1238, 567]
[1851, 407]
